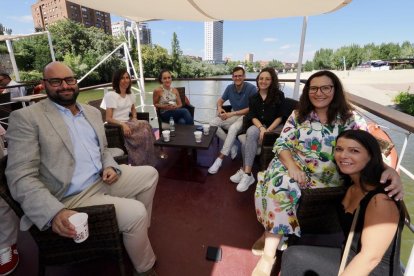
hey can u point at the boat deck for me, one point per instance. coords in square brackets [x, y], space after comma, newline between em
[187, 217]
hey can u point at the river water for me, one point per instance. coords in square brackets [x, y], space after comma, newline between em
[204, 94]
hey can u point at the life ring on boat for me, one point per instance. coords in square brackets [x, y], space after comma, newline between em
[389, 153]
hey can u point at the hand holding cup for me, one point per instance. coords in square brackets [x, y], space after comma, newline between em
[80, 222]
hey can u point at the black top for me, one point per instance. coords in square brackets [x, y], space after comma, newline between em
[390, 262]
[266, 113]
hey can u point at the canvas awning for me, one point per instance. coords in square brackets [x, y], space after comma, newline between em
[211, 10]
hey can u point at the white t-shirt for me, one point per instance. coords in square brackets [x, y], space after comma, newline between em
[15, 91]
[121, 106]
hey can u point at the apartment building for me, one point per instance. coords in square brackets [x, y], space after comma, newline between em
[47, 12]
[121, 28]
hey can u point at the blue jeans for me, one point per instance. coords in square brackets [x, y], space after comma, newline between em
[181, 116]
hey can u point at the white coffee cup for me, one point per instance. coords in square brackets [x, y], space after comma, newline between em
[172, 103]
[166, 135]
[197, 135]
[206, 129]
[80, 222]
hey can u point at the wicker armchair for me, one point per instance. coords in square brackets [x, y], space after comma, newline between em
[164, 125]
[104, 238]
[114, 133]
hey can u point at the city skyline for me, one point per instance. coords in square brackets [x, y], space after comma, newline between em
[361, 22]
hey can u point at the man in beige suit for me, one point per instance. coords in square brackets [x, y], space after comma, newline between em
[58, 159]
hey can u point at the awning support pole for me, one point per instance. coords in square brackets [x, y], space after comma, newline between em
[299, 69]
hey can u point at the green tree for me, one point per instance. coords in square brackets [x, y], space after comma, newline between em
[85, 46]
[323, 59]
[277, 64]
[308, 66]
[176, 54]
[369, 52]
[407, 50]
[388, 51]
[32, 53]
[3, 47]
[154, 59]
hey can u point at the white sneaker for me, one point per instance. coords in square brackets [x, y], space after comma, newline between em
[245, 182]
[216, 166]
[235, 178]
[233, 151]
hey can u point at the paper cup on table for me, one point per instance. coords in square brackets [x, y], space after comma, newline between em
[197, 135]
[206, 129]
[166, 135]
[80, 222]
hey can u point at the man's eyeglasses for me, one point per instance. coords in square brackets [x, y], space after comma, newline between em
[55, 82]
[238, 76]
[325, 89]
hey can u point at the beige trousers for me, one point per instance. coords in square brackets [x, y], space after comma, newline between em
[132, 196]
[9, 225]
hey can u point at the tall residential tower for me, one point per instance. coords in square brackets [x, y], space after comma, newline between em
[213, 42]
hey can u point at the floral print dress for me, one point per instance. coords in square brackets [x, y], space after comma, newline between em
[311, 144]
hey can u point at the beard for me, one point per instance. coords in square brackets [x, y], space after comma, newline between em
[65, 101]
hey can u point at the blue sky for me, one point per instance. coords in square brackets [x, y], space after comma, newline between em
[361, 22]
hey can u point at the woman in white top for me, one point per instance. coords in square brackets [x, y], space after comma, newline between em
[167, 99]
[120, 109]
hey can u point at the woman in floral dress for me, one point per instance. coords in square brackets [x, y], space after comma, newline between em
[304, 160]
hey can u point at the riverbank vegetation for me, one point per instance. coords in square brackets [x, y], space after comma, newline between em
[405, 102]
[82, 48]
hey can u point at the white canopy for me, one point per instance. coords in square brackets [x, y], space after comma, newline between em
[211, 10]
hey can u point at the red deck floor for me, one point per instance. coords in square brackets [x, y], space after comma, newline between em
[187, 218]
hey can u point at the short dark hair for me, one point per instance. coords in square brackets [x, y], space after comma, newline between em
[371, 173]
[339, 105]
[6, 75]
[116, 79]
[238, 68]
[162, 72]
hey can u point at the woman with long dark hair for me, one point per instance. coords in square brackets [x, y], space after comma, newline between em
[304, 160]
[265, 114]
[120, 110]
[376, 237]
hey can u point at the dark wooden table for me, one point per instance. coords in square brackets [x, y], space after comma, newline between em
[188, 168]
[184, 138]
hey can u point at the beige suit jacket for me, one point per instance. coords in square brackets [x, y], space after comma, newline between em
[41, 160]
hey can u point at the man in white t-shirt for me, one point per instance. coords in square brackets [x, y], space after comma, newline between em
[6, 81]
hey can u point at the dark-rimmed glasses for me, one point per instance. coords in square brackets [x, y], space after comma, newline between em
[55, 82]
[325, 89]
